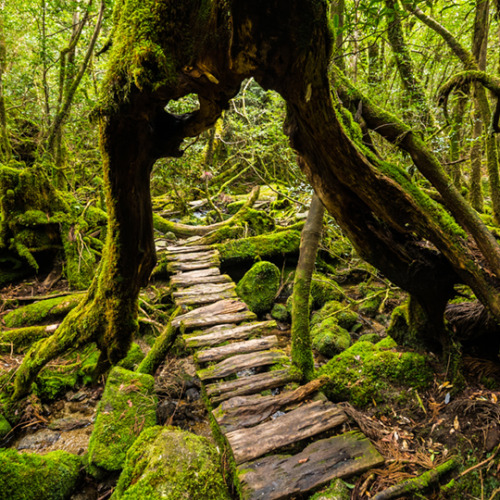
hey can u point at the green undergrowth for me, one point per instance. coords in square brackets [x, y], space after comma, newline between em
[367, 373]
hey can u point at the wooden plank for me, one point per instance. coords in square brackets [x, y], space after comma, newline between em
[180, 279]
[217, 319]
[188, 249]
[194, 256]
[278, 476]
[241, 362]
[203, 299]
[254, 345]
[222, 307]
[216, 335]
[212, 271]
[204, 289]
[304, 422]
[173, 267]
[250, 385]
[247, 411]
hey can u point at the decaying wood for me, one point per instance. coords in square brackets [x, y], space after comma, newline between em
[203, 299]
[173, 267]
[241, 362]
[212, 271]
[292, 427]
[204, 289]
[247, 411]
[185, 249]
[193, 256]
[280, 476]
[254, 345]
[217, 319]
[250, 385]
[182, 279]
[219, 335]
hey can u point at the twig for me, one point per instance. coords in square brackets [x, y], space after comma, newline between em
[480, 464]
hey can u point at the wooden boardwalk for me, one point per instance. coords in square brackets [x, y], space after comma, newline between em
[285, 443]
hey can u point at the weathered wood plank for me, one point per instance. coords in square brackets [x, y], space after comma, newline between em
[203, 299]
[218, 319]
[254, 345]
[211, 271]
[247, 411]
[187, 281]
[188, 249]
[216, 335]
[194, 256]
[250, 385]
[204, 289]
[241, 362]
[279, 476]
[173, 267]
[211, 314]
[304, 422]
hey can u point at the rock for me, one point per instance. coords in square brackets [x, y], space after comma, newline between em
[329, 338]
[38, 440]
[192, 394]
[128, 406]
[171, 464]
[370, 337]
[68, 423]
[133, 358]
[5, 427]
[280, 313]
[259, 286]
[334, 309]
[28, 476]
[324, 290]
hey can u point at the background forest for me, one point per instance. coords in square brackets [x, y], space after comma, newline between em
[430, 68]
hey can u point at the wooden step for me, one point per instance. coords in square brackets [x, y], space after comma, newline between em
[203, 299]
[223, 311]
[254, 345]
[246, 411]
[173, 267]
[189, 257]
[181, 280]
[216, 335]
[204, 289]
[279, 477]
[240, 363]
[252, 384]
[188, 249]
[292, 427]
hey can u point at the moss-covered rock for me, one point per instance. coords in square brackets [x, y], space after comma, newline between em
[259, 286]
[369, 307]
[369, 337]
[128, 406]
[329, 338]
[323, 290]
[343, 315]
[28, 476]
[337, 490]
[133, 358]
[171, 464]
[374, 372]
[280, 313]
[5, 427]
[42, 311]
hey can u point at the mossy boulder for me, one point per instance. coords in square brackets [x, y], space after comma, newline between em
[324, 290]
[329, 338]
[344, 316]
[128, 406]
[280, 313]
[133, 358]
[42, 311]
[28, 476]
[370, 305]
[370, 337]
[337, 490]
[171, 464]
[369, 372]
[259, 287]
[5, 427]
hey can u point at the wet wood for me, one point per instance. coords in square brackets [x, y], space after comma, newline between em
[219, 335]
[192, 265]
[278, 477]
[200, 322]
[304, 422]
[240, 363]
[194, 256]
[204, 289]
[203, 299]
[188, 249]
[247, 411]
[181, 280]
[250, 385]
[218, 353]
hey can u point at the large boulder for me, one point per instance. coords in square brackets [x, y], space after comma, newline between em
[28, 476]
[259, 287]
[128, 406]
[171, 464]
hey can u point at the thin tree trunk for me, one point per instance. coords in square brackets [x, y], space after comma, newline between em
[5, 146]
[337, 14]
[301, 340]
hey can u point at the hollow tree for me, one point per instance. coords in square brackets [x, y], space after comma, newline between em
[163, 50]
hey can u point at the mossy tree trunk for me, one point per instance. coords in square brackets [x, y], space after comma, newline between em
[5, 147]
[309, 242]
[209, 49]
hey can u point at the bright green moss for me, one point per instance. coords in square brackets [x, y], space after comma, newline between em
[259, 286]
[370, 337]
[28, 476]
[133, 357]
[366, 372]
[336, 311]
[5, 427]
[337, 490]
[128, 406]
[171, 464]
[280, 313]
[44, 310]
[20, 339]
[329, 338]
[324, 290]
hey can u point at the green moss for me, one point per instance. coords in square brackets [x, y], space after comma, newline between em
[280, 313]
[28, 476]
[340, 312]
[44, 310]
[260, 247]
[128, 406]
[259, 286]
[366, 372]
[133, 357]
[20, 339]
[50, 383]
[370, 337]
[337, 490]
[329, 338]
[5, 426]
[323, 290]
[171, 464]
[369, 306]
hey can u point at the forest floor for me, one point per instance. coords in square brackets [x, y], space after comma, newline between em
[419, 431]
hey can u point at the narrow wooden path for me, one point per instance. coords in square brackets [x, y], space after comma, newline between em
[285, 443]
